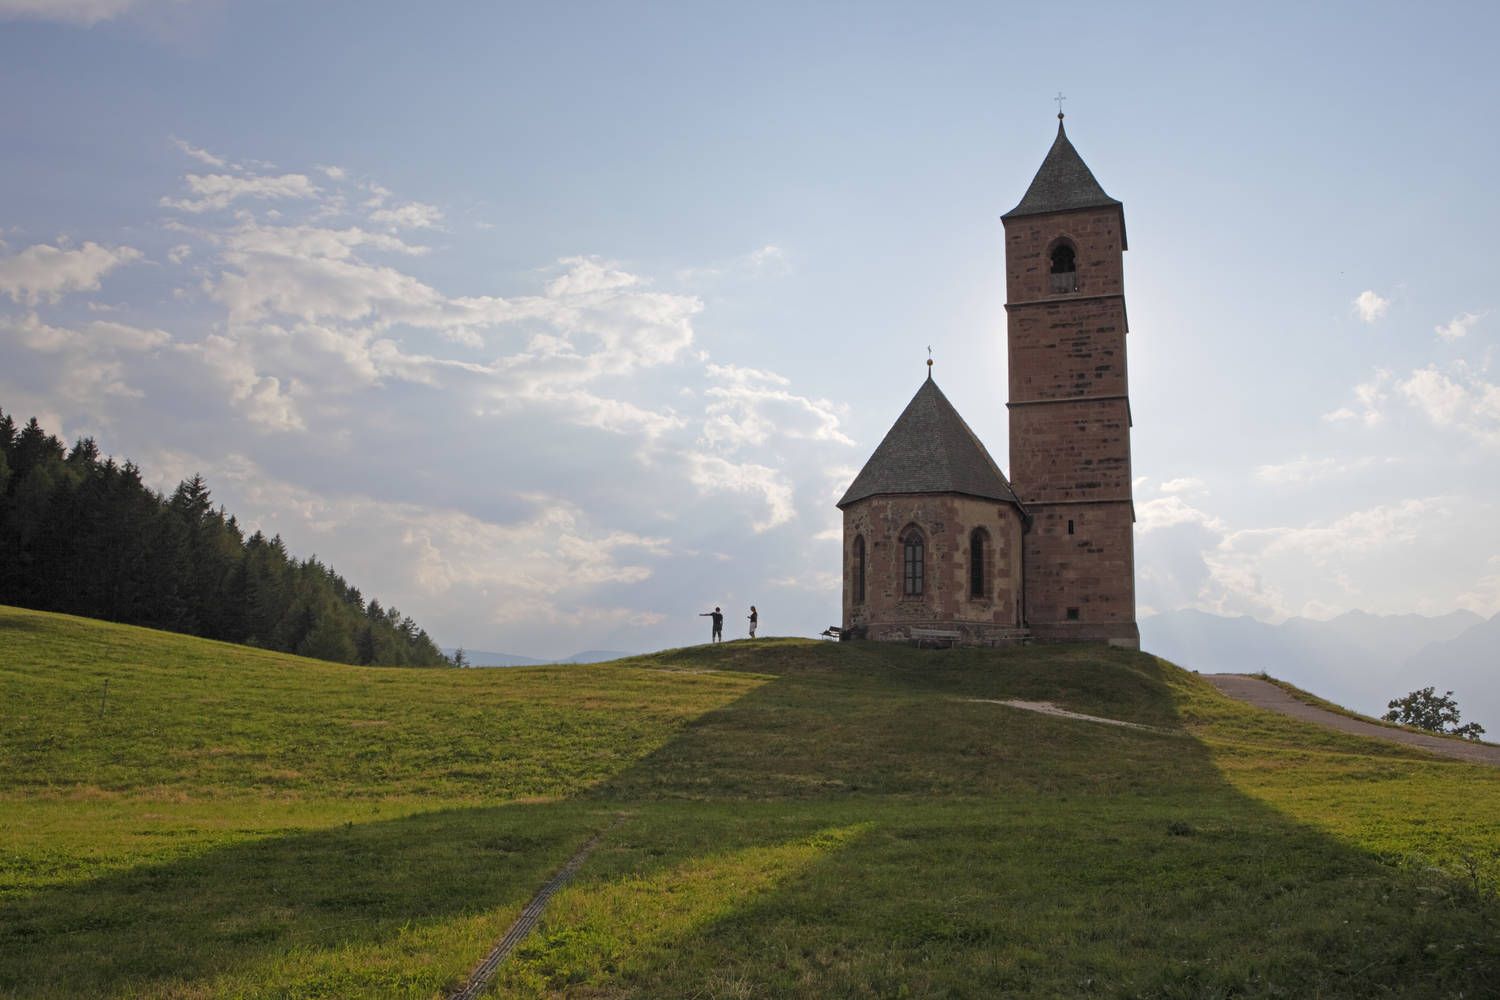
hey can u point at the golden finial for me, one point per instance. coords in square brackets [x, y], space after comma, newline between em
[929, 361]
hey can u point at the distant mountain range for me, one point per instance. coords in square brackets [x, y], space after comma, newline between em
[1359, 660]
[483, 658]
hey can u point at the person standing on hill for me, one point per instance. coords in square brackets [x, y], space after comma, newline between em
[754, 620]
[718, 617]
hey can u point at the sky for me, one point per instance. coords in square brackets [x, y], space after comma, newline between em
[555, 325]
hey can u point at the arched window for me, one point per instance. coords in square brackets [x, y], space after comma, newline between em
[1064, 274]
[911, 563]
[859, 569]
[979, 546]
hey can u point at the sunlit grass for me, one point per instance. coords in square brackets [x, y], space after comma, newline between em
[785, 818]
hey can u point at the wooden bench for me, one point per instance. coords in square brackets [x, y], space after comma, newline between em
[938, 637]
[832, 632]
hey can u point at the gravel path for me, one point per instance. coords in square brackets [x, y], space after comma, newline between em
[1264, 694]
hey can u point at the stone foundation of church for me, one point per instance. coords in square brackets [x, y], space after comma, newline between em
[969, 634]
[1122, 634]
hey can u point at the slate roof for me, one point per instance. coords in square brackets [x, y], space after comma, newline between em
[930, 449]
[1064, 182]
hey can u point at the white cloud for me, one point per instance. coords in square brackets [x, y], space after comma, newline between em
[1436, 395]
[412, 215]
[126, 337]
[1369, 306]
[80, 12]
[30, 332]
[1166, 512]
[1455, 397]
[768, 260]
[34, 335]
[1484, 597]
[819, 581]
[260, 397]
[83, 373]
[201, 155]
[1461, 400]
[1300, 471]
[43, 273]
[750, 406]
[1371, 397]
[1185, 484]
[1458, 326]
[1400, 554]
[534, 569]
[714, 475]
[1357, 531]
[215, 191]
[589, 275]
[313, 241]
[317, 282]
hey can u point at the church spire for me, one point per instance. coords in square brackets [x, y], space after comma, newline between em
[1063, 183]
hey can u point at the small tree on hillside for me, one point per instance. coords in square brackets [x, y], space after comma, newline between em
[1428, 710]
[460, 658]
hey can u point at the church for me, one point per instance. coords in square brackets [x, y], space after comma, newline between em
[937, 542]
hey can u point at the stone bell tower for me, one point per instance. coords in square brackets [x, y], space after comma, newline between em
[1069, 403]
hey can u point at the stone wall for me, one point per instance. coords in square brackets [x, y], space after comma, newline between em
[1071, 450]
[1070, 426]
[1080, 583]
[1063, 348]
[946, 521]
[1098, 238]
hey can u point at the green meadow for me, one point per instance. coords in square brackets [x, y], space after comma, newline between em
[182, 818]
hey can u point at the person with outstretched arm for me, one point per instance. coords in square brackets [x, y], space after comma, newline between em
[754, 620]
[718, 617]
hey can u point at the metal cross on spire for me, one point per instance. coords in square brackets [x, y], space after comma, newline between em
[1059, 99]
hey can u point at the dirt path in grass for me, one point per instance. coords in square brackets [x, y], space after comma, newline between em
[479, 979]
[1264, 694]
[1047, 708]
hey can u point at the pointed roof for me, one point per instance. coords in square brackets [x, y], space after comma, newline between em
[930, 449]
[1063, 183]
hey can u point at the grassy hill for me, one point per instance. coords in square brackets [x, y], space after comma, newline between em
[783, 816]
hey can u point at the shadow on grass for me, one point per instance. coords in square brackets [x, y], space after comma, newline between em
[1004, 853]
[160, 928]
[1096, 896]
[16, 623]
[854, 827]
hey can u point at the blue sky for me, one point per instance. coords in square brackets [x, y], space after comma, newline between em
[556, 324]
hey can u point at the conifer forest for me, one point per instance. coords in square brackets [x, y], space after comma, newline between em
[84, 535]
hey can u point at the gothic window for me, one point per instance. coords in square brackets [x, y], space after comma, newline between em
[911, 563]
[859, 569]
[1064, 269]
[979, 544]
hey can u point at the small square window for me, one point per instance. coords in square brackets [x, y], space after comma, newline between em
[1072, 614]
